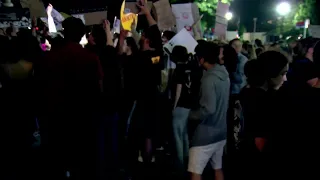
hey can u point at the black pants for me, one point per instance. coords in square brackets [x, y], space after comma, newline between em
[69, 144]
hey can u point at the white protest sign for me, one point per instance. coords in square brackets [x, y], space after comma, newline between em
[116, 25]
[220, 29]
[314, 31]
[184, 16]
[80, 16]
[183, 38]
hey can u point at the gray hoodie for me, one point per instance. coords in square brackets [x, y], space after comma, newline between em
[215, 87]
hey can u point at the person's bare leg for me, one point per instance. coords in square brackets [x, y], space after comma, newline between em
[218, 174]
[195, 176]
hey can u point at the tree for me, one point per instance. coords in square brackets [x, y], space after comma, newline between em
[242, 30]
[299, 12]
[306, 10]
[208, 9]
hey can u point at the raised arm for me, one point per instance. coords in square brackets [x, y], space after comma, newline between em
[122, 37]
[106, 26]
[135, 34]
[144, 10]
[51, 25]
[34, 26]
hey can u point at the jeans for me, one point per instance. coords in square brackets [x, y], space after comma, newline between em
[180, 133]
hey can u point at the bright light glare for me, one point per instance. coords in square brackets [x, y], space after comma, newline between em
[283, 8]
[228, 16]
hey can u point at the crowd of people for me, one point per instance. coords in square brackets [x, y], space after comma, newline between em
[106, 106]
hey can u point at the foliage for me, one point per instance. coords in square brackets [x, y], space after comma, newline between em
[208, 9]
[299, 12]
[242, 30]
[306, 10]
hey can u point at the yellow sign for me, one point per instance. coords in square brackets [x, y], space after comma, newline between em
[155, 60]
[127, 18]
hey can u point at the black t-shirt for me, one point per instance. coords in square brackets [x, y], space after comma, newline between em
[183, 76]
[148, 75]
[129, 65]
[149, 66]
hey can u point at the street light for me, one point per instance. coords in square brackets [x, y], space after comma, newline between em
[283, 8]
[228, 16]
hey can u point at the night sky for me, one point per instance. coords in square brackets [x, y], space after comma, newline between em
[264, 10]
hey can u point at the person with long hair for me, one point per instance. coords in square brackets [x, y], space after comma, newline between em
[264, 76]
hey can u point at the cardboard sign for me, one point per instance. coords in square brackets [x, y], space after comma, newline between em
[184, 16]
[183, 38]
[314, 31]
[221, 22]
[127, 18]
[80, 16]
[36, 7]
[164, 13]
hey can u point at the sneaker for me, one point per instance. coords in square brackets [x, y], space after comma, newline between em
[160, 148]
[140, 159]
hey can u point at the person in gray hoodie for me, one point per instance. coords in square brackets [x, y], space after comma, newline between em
[211, 134]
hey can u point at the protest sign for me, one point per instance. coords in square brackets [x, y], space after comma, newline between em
[183, 38]
[220, 29]
[80, 16]
[187, 16]
[184, 17]
[164, 14]
[314, 31]
[36, 8]
[127, 17]
[116, 25]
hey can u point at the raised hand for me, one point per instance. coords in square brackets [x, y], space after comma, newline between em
[123, 34]
[106, 25]
[34, 22]
[143, 7]
[49, 9]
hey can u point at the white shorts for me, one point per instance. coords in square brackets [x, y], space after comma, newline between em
[199, 157]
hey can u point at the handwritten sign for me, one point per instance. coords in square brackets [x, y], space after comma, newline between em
[183, 15]
[127, 18]
[183, 38]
